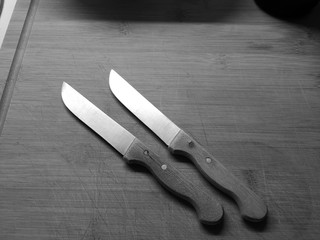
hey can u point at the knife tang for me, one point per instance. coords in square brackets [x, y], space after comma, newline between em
[251, 206]
[209, 211]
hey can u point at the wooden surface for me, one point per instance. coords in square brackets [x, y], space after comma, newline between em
[244, 84]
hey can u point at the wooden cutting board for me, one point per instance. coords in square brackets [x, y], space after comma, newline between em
[244, 84]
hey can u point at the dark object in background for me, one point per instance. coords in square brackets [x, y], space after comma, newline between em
[1, 6]
[287, 8]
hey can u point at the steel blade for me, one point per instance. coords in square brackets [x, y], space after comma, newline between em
[142, 108]
[102, 124]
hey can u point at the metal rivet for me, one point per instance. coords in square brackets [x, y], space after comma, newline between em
[164, 167]
[146, 152]
[208, 160]
[190, 143]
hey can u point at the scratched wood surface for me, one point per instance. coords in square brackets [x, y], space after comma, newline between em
[244, 84]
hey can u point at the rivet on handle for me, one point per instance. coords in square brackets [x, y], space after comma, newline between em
[208, 160]
[190, 143]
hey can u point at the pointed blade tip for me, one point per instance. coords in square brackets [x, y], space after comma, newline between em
[113, 74]
[64, 89]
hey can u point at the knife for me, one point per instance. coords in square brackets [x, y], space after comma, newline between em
[134, 151]
[251, 207]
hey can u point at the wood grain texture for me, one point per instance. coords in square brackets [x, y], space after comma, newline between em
[244, 84]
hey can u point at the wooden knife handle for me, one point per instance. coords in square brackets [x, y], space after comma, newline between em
[251, 206]
[209, 211]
